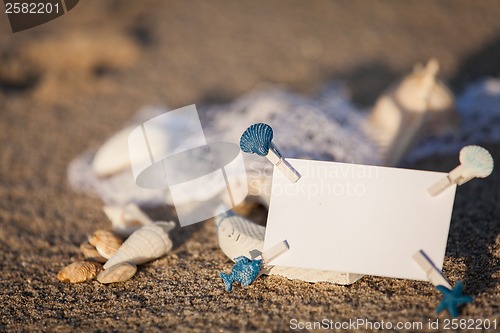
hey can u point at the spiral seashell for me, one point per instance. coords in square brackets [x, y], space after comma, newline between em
[79, 271]
[256, 139]
[90, 253]
[118, 273]
[148, 243]
[476, 161]
[105, 242]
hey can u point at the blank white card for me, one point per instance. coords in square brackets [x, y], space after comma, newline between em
[358, 218]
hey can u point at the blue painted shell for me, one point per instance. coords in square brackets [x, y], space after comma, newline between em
[256, 139]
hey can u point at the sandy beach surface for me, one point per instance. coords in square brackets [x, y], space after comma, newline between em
[69, 84]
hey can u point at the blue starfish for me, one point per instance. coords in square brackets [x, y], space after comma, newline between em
[452, 299]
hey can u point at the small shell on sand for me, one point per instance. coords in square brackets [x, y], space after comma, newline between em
[118, 273]
[105, 242]
[90, 253]
[79, 271]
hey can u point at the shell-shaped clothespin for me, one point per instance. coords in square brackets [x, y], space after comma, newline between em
[246, 270]
[475, 162]
[453, 298]
[145, 244]
[257, 139]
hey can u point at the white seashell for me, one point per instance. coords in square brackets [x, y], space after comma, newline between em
[399, 115]
[113, 156]
[126, 220]
[79, 271]
[117, 273]
[148, 243]
[238, 236]
[105, 242]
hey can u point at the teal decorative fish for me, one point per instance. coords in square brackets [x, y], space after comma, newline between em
[244, 271]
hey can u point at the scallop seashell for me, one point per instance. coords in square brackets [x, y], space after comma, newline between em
[148, 243]
[105, 242]
[118, 273]
[126, 220]
[113, 156]
[79, 271]
[256, 139]
[477, 161]
[90, 253]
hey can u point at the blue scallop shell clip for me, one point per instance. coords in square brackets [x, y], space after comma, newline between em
[256, 139]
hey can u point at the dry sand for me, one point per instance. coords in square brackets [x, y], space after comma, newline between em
[69, 84]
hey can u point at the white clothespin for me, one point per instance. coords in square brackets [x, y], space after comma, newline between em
[271, 254]
[433, 273]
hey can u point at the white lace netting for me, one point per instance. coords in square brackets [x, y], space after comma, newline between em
[328, 127]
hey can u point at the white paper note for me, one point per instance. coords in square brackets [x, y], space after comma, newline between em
[358, 219]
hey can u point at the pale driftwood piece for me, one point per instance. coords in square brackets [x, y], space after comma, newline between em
[238, 236]
[146, 244]
[416, 103]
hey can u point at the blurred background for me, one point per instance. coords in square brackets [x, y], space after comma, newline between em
[69, 84]
[103, 60]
